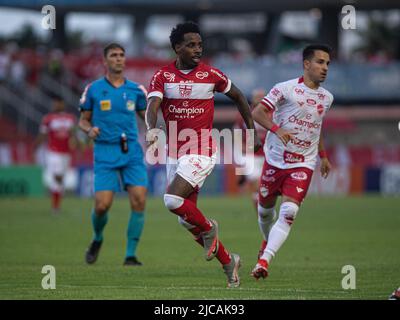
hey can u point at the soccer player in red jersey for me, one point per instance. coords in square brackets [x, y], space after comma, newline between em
[58, 128]
[184, 90]
[292, 112]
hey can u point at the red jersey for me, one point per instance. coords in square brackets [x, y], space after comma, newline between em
[188, 106]
[58, 126]
[261, 133]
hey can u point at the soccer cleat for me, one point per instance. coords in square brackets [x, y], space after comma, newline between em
[260, 270]
[395, 295]
[93, 251]
[261, 251]
[232, 271]
[132, 261]
[210, 240]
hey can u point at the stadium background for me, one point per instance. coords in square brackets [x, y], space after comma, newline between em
[255, 43]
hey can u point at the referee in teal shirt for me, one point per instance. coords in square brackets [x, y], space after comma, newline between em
[108, 116]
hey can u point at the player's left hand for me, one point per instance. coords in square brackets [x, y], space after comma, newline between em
[325, 167]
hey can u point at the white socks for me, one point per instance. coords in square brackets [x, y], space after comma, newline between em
[280, 230]
[266, 218]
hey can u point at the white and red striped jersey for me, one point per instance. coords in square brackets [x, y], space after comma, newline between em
[299, 110]
[188, 103]
[59, 128]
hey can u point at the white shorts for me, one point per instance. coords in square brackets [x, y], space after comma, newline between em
[253, 167]
[193, 168]
[57, 163]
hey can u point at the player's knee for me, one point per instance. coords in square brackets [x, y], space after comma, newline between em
[288, 212]
[266, 214]
[102, 208]
[173, 202]
[138, 204]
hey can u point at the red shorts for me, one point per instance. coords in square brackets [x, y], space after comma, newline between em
[292, 183]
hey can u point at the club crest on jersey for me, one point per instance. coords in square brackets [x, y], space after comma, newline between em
[270, 172]
[320, 109]
[300, 175]
[185, 90]
[264, 191]
[201, 75]
[105, 105]
[130, 105]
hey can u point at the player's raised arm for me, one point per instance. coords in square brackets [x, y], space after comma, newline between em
[325, 164]
[263, 116]
[241, 102]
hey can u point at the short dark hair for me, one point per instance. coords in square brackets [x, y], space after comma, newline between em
[110, 46]
[309, 50]
[177, 33]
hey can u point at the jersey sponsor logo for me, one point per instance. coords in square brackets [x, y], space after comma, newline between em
[201, 75]
[169, 76]
[299, 91]
[153, 81]
[299, 175]
[320, 109]
[130, 105]
[304, 123]
[185, 90]
[182, 113]
[218, 74]
[292, 157]
[300, 143]
[264, 191]
[311, 102]
[105, 105]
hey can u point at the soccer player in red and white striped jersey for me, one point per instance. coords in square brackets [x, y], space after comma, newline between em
[184, 90]
[58, 128]
[292, 112]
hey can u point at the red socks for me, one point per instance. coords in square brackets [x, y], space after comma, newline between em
[191, 214]
[223, 255]
[55, 200]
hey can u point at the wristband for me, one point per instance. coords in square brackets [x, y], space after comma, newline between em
[274, 128]
[323, 154]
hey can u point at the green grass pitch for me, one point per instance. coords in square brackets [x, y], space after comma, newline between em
[328, 234]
